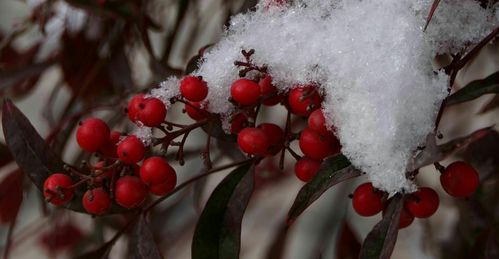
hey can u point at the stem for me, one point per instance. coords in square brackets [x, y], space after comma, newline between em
[293, 153]
[439, 167]
[195, 178]
[286, 133]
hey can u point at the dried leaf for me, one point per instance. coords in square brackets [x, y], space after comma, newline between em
[218, 231]
[333, 170]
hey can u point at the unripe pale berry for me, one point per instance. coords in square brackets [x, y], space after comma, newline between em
[245, 92]
[306, 168]
[131, 150]
[422, 203]
[152, 112]
[367, 201]
[318, 146]
[193, 88]
[460, 179]
[96, 201]
[129, 192]
[56, 189]
[304, 99]
[253, 141]
[155, 170]
[92, 134]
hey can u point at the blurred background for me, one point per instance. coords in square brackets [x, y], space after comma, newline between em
[59, 59]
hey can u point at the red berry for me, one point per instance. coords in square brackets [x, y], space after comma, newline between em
[106, 175]
[423, 203]
[96, 201]
[459, 179]
[195, 113]
[56, 189]
[109, 148]
[275, 135]
[406, 218]
[306, 169]
[131, 150]
[268, 91]
[152, 112]
[92, 134]
[193, 88]
[134, 107]
[253, 141]
[318, 146]
[245, 92]
[367, 201]
[129, 192]
[238, 123]
[163, 188]
[303, 100]
[317, 122]
[155, 170]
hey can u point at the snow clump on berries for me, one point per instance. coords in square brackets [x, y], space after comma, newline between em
[371, 59]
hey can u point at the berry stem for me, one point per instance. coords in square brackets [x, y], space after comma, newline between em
[439, 167]
[195, 178]
[286, 133]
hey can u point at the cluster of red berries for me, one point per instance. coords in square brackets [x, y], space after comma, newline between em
[459, 180]
[267, 139]
[117, 176]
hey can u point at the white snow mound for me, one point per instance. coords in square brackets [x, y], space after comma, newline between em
[372, 60]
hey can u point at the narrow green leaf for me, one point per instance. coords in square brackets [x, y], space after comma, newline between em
[218, 231]
[333, 170]
[380, 242]
[143, 240]
[475, 89]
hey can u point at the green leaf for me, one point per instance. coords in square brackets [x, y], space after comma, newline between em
[218, 231]
[380, 242]
[475, 89]
[333, 170]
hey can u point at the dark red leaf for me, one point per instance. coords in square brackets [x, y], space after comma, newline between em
[5, 156]
[433, 153]
[347, 244]
[61, 237]
[28, 148]
[432, 11]
[143, 241]
[483, 154]
[380, 242]
[333, 170]
[11, 196]
[218, 231]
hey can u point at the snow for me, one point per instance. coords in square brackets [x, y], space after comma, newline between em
[372, 60]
